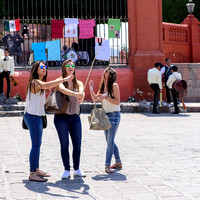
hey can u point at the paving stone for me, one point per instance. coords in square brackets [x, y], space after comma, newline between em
[160, 155]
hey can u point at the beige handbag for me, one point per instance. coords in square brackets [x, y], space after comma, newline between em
[98, 120]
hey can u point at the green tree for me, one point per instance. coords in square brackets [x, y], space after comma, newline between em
[175, 11]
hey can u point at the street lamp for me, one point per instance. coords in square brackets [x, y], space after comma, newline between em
[190, 7]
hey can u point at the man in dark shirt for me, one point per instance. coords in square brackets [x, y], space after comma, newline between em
[166, 72]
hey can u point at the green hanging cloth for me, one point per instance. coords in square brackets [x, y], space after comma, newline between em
[114, 28]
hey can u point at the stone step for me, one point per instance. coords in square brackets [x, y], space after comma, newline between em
[86, 107]
[13, 113]
[11, 107]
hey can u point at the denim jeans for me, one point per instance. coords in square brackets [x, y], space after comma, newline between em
[156, 89]
[65, 125]
[112, 148]
[34, 123]
[175, 96]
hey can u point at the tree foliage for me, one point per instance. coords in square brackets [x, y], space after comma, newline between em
[175, 11]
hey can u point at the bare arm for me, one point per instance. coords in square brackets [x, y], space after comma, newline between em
[116, 94]
[79, 95]
[93, 95]
[82, 94]
[50, 84]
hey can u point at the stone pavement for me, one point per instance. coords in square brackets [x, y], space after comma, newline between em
[160, 154]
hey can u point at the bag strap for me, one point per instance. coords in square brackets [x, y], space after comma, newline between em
[90, 69]
[175, 77]
[167, 69]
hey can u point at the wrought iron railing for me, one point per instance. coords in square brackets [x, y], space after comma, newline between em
[38, 14]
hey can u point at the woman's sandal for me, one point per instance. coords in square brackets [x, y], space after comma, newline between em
[108, 170]
[41, 173]
[116, 166]
[35, 177]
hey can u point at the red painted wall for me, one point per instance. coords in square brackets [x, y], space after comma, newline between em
[145, 41]
[181, 42]
[124, 80]
[150, 41]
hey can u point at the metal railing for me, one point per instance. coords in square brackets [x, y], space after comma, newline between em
[37, 16]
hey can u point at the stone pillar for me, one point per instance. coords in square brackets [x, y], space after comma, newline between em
[194, 35]
[145, 42]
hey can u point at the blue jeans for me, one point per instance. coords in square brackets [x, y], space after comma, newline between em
[112, 148]
[65, 125]
[34, 123]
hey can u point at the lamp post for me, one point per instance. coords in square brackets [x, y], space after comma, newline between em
[190, 6]
[193, 32]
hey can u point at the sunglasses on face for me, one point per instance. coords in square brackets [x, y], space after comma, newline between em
[43, 66]
[68, 66]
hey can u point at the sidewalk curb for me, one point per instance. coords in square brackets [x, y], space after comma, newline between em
[86, 107]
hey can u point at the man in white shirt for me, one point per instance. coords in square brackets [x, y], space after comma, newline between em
[1, 53]
[154, 79]
[166, 72]
[172, 78]
[6, 68]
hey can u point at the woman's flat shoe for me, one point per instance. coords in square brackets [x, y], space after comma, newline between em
[116, 166]
[108, 170]
[41, 173]
[35, 177]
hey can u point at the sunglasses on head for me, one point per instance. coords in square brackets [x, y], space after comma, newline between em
[42, 66]
[68, 66]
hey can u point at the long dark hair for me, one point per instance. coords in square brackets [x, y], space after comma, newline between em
[64, 74]
[112, 77]
[34, 75]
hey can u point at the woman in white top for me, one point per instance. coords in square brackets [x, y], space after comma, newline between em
[35, 100]
[109, 95]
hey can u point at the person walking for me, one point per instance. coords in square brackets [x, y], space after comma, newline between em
[172, 78]
[154, 80]
[34, 109]
[109, 95]
[69, 123]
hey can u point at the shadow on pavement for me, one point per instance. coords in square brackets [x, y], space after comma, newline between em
[75, 185]
[110, 177]
[165, 115]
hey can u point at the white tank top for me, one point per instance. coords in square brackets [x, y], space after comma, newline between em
[109, 107]
[35, 104]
